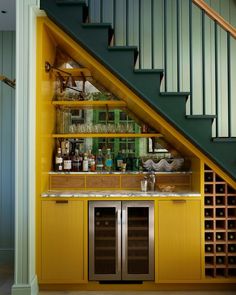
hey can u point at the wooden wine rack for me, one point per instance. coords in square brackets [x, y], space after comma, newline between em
[220, 226]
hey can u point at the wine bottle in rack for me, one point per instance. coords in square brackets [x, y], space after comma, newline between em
[220, 188]
[232, 260]
[208, 176]
[219, 236]
[232, 224]
[208, 224]
[231, 236]
[208, 237]
[219, 260]
[209, 248]
[231, 248]
[219, 201]
[208, 201]
[208, 213]
[231, 201]
[220, 212]
[219, 248]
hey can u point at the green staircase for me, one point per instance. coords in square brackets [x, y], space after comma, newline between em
[71, 16]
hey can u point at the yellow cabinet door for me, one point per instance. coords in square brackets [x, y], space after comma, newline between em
[178, 240]
[62, 242]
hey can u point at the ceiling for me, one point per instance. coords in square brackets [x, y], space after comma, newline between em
[8, 19]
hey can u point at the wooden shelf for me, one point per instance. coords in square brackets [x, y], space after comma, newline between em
[107, 135]
[85, 104]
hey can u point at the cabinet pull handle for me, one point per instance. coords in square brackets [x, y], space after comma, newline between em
[179, 201]
[62, 201]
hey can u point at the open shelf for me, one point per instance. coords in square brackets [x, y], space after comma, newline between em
[85, 104]
[107, 135]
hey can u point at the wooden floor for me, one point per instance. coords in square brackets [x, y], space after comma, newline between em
[139, 293]
[6, 279]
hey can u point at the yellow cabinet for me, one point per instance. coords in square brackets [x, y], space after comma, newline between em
[178, 240]
[63, 236]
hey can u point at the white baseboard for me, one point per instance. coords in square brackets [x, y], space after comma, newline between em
[31, 289]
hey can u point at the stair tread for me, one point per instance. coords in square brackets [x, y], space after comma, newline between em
[224, 139]
[150, 71]
[122, 48]
[201, 116]
[174, 93]
[96, 25]
[70, 2]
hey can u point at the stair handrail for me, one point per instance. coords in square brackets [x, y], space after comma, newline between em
[216, 17]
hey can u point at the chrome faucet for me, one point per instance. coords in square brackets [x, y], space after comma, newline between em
[151, 181]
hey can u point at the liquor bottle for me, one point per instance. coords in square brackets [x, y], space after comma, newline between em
[76, 161]
[58, 161]
[108, 160]
[118, 161]
[90, 157]
[67, 162]
[129, 162]
[65, 147]
[99, 161]
[85, 163]
[93, 164]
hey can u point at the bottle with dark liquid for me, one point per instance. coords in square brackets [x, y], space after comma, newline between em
[231, 236]
[209, 248]
[219, 248]
[76, 161]
[219, 236]
[219, 260]
[58, 161]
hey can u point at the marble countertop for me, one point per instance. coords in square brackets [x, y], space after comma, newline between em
[116, 193]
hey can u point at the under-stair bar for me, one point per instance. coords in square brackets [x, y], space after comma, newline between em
[192, 44]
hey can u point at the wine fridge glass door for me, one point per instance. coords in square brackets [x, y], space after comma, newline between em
[104, 240]
[137, 240]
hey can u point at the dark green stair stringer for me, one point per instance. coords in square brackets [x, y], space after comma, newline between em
[120, 61]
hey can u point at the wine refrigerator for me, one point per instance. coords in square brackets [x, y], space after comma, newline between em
[121, 240]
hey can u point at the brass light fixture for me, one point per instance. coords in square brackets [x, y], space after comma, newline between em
[11, 83]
